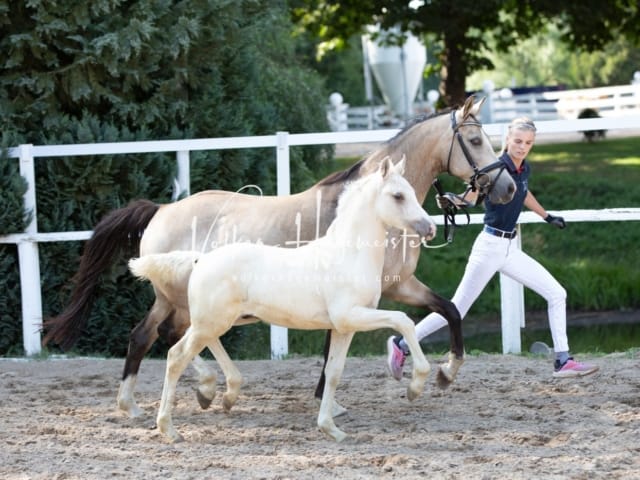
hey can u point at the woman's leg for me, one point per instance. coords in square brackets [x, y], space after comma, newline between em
[524, 269]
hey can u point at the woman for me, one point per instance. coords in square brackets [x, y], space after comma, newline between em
[491, 253]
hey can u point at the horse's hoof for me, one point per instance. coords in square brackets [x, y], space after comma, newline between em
[202, 400]
[442, 380]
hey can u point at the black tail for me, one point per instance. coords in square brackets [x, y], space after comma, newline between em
[119, 228]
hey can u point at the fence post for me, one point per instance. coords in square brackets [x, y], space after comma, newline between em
[487, 111]
[29, 261]
[183, 182]
[512, 307]
[279, 335]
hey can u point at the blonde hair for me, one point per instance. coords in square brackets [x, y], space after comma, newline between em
[522, 124]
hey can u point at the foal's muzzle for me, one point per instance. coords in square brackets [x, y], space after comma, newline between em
[425, 228]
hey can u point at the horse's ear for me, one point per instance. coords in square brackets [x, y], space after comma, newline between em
[385, 166]
[476, 108]
[400, 166]
[466, 109]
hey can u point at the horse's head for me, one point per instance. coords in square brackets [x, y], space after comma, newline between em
[397, 205]
[471, 156]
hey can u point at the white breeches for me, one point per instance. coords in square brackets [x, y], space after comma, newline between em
[489, 255]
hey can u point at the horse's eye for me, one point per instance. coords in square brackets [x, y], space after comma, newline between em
[398, 196]
[476, 141]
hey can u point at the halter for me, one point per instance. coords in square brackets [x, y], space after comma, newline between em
[480, 180]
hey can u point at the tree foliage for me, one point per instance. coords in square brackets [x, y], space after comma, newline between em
[462, 28]
[545, 60]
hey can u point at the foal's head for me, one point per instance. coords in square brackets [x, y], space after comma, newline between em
[391, 198]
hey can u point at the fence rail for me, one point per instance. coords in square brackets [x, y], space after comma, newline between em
[512, 294]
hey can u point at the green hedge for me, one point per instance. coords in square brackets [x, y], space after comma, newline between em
[113, 72]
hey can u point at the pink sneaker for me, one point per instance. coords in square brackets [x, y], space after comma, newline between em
[395, 358]
[571, 368]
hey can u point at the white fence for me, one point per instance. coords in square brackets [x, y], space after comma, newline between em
[27, 242]
[502, 106]
[608, 102]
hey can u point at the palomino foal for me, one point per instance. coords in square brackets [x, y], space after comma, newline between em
[331, 283]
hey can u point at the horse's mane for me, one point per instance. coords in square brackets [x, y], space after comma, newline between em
[419, 119]
[353, 172]
[342, 176]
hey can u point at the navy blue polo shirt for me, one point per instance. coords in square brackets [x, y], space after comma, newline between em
[505, 216]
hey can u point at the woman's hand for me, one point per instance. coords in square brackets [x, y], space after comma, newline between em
[555, 221]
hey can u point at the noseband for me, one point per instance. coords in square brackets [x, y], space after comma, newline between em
[480, 180]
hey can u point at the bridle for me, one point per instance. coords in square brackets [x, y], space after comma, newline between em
[480, 181]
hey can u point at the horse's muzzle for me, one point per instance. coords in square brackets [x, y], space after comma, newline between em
[503, 190]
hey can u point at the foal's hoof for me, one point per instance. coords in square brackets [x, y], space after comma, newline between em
[337, 410]
[171, 435]
[132, 411]
[228, 401]
[412, 394]
[176, 439]
[202, 400]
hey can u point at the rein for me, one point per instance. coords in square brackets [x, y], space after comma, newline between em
[449, 213]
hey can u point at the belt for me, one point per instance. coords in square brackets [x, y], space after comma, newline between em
[499, 233]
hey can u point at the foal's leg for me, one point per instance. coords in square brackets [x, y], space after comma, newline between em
[177, 360]
[172, 330]
[231, 374]
[333, 371]
[337, 409]
[415, 293]
[360, 319]
[141, 339]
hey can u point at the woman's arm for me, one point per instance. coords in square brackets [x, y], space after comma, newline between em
[532, 204]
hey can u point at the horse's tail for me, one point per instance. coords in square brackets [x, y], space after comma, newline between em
[166, 271]
[119, 228]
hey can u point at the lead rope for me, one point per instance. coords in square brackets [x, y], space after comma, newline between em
[450, 224]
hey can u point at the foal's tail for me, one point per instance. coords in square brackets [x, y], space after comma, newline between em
[166, 271]
[119, 228]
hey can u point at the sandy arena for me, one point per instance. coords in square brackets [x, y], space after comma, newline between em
[505, 417]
